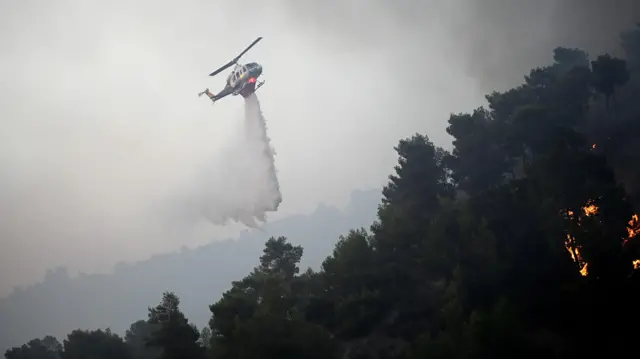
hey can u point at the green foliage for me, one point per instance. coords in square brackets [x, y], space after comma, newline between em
[96, 344]
[138, 336]
[263, 315]
[45, 348]
[609, 73]
[174, 335]
[518, 243]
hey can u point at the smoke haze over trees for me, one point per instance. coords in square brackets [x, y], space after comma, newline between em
[104, 123]
[62, 301]
[495, 41]
[522, 241]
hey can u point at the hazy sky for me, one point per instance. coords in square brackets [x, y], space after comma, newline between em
[101, 129]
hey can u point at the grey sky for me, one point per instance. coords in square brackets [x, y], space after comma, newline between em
[101, 128]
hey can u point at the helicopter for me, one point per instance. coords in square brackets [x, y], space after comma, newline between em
[241, 81]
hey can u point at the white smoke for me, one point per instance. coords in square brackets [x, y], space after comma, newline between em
[241, 183]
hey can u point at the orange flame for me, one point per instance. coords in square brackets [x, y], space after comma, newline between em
[584, 271]
[590, 210]
[574, 252]
[634, 226]
[633, 229]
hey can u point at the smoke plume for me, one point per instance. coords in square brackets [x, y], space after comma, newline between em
[496, 42]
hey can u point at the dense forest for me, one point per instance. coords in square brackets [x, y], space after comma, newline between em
[520, 242]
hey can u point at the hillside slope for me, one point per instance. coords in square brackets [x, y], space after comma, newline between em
[60, 304]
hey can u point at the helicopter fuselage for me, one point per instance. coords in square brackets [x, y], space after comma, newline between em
[243, 79]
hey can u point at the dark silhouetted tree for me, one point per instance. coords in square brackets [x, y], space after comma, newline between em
[45, 348]
[175, 336]
[98, 344]
[609, 73]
